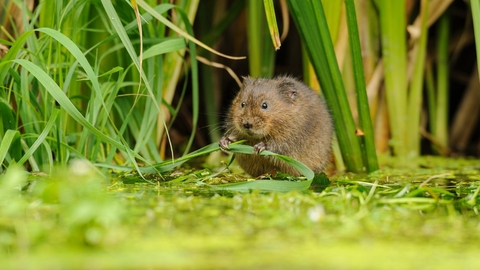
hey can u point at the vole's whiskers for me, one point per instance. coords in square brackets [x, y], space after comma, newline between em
[214, 128]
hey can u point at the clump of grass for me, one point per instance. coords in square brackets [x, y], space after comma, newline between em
[107, 98]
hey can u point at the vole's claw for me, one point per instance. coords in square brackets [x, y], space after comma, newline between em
[259, 147]
[223, 143]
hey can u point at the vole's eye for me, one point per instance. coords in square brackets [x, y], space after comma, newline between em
[264, 105]
[243, 104]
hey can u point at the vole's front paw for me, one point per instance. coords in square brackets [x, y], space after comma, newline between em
[223, 143]
[259, 147]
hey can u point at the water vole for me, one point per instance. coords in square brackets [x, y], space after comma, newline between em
[281, 115]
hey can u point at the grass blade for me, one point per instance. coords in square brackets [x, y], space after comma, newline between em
[175, 28]
[12, 54]
[302, 168]
[365, 120]
[265, 185]
[194, 80]
[169, 45]
[57, 93]
[272, 23]
[475, 5]
[82, 60]
[261, 54]
[5, 144]
[41, 137]
[275, 185]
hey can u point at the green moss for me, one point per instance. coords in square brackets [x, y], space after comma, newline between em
[408, 218]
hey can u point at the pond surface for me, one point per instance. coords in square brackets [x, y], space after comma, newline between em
[393, 218]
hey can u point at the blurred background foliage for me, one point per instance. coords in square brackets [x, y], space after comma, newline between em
[104, 102]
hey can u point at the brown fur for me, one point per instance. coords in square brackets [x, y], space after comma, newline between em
[295, 123]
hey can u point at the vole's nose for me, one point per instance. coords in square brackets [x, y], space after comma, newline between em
[247, 125]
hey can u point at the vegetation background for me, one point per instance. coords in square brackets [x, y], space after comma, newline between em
[418, 60]
[90, 89]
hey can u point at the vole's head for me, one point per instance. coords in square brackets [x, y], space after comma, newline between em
[264, 108]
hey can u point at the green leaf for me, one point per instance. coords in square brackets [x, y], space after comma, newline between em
[170, 45]
[261, 54]
[475, 5]
[5, 143]
[362, 99]
[302, 168]
[13, 53]
[265, 185]
[8, 120]
[272, 23]
[41, 137]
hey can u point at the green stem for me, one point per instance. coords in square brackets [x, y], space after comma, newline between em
[431, 96]
[261, 55]
[416, 87]
[362, 100]
[475, 5]
[392, 26]
[441, 126]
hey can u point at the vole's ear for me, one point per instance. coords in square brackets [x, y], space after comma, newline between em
[288, 90]
[246, 81]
